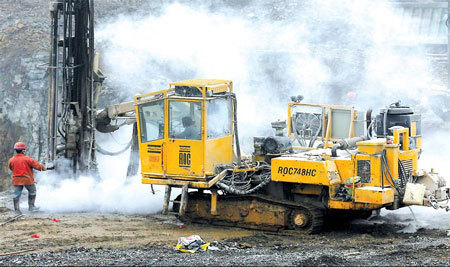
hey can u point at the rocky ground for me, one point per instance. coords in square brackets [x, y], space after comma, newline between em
[149, 239]
[117, 239]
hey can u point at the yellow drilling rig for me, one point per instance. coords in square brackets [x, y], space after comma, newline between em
[332, 161]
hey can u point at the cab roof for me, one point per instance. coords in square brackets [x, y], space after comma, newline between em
[200, 82]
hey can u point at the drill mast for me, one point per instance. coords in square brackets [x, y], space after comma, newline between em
[74, 79]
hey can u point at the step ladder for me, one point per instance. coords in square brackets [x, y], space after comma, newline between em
[184, 199]
[182, 202]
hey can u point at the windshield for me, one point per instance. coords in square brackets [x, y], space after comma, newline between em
[185, 119]
[219, 118]
[151, 116]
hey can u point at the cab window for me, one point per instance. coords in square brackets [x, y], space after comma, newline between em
[151, 117]
[185, 120]
[218, 118]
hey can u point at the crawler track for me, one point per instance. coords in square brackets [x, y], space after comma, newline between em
[255, 212]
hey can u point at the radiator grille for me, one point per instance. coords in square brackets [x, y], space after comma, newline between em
[363, 168]
[408, 165]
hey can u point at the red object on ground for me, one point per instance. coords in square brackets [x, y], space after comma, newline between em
[55, 220]
[182, 226]
[35, 236]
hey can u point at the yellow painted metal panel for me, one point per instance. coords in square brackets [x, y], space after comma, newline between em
[412, 154]
[218, 151]
[375, 171]
[195, 183]
[149, 97]
[419, 142]
[184, 157]
[151, 157]
[413, 128]
[295, 170]
[371, 146]
[374, 195]
[345, 169]
[405, 133]
[200, 82]
[348, 205]
[218, 88]
[308, 189]
[150, 153]
[392, 159]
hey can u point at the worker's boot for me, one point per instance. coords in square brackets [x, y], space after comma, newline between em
[31, 206]
[16, 205]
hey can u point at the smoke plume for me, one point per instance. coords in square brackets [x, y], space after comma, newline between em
[111, 192]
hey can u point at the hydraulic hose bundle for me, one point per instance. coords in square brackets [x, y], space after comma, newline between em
[243, 183]
[386, 172]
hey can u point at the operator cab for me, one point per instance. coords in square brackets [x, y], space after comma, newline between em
[185, 131]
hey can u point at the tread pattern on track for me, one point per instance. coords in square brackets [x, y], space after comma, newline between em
[316, 211]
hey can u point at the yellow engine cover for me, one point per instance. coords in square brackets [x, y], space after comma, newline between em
[300, 170]
[374, 195]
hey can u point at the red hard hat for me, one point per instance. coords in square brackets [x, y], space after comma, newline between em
[20, 146]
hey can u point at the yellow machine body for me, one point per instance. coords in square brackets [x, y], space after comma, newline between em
[317, 168]
[167, 156]
[187, 138]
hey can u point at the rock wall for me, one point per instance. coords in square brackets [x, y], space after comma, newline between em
[23, 86]
[24, 45]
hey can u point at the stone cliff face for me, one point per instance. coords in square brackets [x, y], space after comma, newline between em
[24, 45]
[23, 86]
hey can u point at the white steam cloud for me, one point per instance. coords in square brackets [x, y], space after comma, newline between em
[111, 192]
[320, 49]
[271, 50]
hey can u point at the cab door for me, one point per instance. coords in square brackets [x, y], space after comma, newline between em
[184, 149]
[151, 125]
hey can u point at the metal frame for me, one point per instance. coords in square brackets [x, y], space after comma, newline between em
[327, 110]
[71, 102]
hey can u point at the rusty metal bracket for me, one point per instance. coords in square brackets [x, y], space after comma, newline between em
[166, 199]
[184, 199]
[214, 202]
[12, 219]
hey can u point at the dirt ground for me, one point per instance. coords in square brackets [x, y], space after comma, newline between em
[116, 239]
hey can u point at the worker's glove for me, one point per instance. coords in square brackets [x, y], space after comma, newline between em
[49, 166]
[44, 169]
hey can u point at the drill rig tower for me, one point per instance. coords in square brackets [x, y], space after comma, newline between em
[75, 82]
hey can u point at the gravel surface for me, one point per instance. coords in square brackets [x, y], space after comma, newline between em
[354, 245]
[233, 254]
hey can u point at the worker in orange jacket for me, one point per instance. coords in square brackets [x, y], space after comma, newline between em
[22, 176]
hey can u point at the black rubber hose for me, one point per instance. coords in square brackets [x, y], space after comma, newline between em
[385, 122]
[368, 118]
[230, 189]
[236, 135]
[346, 143]
[334, 150]
[109, 153]
[384, 174]
[386, 165]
